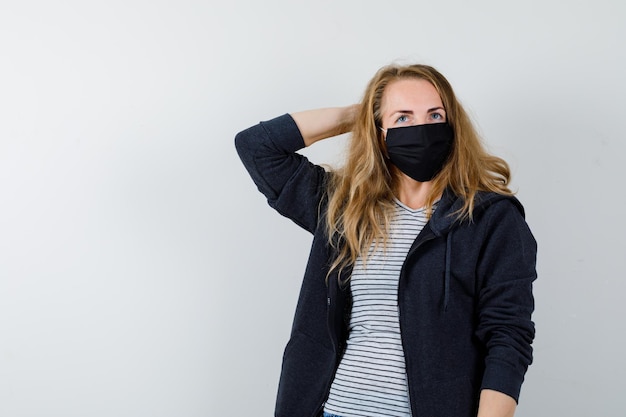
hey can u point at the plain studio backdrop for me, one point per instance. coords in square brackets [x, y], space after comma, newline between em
[142, 274]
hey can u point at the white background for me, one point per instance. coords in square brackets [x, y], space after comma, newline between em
[142, 274]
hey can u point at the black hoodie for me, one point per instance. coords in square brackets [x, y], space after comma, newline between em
[465, 292]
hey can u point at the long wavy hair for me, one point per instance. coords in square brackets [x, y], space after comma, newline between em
[361, 194]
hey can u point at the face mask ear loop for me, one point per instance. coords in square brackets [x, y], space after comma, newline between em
[384, 131]
[384, 151]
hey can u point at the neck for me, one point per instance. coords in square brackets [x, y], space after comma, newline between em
[412, 193]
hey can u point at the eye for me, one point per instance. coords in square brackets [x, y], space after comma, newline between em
[437, 117]
[402, 119]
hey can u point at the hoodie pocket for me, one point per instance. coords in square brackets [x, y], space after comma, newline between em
[307, 369]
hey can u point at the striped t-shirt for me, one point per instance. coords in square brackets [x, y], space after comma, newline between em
[371, 378]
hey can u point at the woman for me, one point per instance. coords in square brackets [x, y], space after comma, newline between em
[417, 297]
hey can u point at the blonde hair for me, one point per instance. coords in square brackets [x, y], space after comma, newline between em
[361, 194]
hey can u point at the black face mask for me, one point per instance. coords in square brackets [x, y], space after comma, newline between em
[420, 151]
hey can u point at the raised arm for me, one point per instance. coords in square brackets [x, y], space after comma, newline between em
[323, 123]
[293, 185]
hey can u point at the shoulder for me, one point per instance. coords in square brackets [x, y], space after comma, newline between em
[501, 217]
[487, 205]
[504, 229]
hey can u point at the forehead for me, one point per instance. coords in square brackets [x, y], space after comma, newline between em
[410, 94]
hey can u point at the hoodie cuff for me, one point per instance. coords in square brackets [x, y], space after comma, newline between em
[503, 379]
[284, 133]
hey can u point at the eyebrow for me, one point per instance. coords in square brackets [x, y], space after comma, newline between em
[411, 111]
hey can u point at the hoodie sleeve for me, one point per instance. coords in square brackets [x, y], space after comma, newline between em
[293, 185]
[506, 271]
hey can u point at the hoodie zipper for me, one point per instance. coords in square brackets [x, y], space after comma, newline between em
[338, 354]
